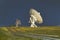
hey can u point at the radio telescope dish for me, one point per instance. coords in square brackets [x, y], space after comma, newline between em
[37, 15]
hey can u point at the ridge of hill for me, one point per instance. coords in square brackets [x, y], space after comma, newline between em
[23, 33]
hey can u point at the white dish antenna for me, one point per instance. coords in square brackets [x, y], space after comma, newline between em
[37, 15]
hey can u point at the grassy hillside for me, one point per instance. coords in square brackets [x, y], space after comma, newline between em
[22, 33]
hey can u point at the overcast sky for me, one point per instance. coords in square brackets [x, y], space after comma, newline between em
[10, 10]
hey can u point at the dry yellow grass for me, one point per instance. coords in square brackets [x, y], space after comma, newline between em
[4, 29]
[39, 30]
[27, 30]
[23, 29]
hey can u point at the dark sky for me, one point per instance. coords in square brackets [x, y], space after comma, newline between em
[10, 10]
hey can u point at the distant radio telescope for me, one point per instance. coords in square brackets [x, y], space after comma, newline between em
[18, 22]
[35, 17]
